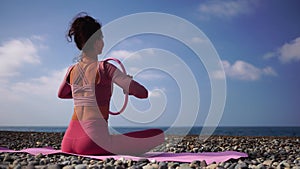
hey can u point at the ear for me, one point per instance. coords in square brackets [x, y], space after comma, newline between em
[96, 43]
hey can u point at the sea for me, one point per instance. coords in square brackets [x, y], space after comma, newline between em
[182, 131]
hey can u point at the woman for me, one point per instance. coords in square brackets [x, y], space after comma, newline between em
[89, 83]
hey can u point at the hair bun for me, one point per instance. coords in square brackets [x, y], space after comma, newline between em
[82, 28]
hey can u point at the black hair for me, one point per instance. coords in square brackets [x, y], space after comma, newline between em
[82, 30]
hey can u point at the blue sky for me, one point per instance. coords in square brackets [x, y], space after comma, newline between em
[258, 43]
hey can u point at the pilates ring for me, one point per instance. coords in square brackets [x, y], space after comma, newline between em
[126, 94]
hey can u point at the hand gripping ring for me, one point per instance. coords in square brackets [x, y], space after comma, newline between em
[126, 94]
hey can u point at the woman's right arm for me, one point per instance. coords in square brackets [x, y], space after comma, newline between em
[129, 85]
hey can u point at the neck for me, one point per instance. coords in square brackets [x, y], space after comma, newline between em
[89, 57]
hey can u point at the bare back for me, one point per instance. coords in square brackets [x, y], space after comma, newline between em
[85, 77]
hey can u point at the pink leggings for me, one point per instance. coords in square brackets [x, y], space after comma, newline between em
[93, 138]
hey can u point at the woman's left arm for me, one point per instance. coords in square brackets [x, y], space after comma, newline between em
[65, 91]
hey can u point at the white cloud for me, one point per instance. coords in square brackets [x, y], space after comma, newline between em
[137, 58]
[199, 40]
[151, 75]
[218, 74]
[269, 55]
[287, 53]
[34, 101]
[225, 9]
[28, 100]
[130, 57]
[14, 54]
[38, 37]
[44, 86]
[120, 54]
[154, 93]
[131, 42]
[244, 71]
[269, 71]
[157, 92]
[290, 51]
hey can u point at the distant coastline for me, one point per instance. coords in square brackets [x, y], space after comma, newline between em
[225, 131]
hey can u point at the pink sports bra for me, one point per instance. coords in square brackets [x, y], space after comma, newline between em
[83, 95]
[102, 91]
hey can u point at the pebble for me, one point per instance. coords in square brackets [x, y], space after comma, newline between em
[81, 166]
[283, 164]
[143, 160]
[184, 166]
[75, 162]
[64, 163]
[264, 153]
[212, 166]
[148, 166]
[68, 167]
[268, 162]
[155, 165]
[163, 165]
[33, 163]
[203, 163]
[119, 162]
[108, 167]
[39, 155]
[232, 166]
[227, 165]
[241, 166]
[261, 166]
[53, 166]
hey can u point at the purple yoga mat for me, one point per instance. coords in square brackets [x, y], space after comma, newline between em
[209, 157]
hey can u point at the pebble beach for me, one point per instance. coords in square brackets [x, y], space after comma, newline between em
[263, 153]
